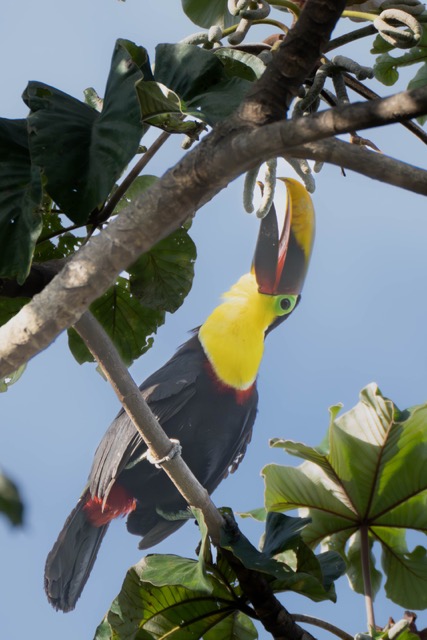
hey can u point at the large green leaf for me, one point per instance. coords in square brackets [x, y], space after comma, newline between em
[162, 277]
[373, 476]
[83, 152]
[206, 13]
[147, 610]
[200, 80]
[20, 199]
[10, 502]
[128, 323]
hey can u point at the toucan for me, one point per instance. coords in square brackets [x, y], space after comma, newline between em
[205, 397]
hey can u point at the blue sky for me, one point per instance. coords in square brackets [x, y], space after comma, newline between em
[362, 319]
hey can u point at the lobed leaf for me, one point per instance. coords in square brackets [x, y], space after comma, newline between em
[371, 473]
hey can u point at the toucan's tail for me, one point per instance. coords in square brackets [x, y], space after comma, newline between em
[70, 562]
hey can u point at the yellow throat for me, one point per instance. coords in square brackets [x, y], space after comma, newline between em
[233, 335]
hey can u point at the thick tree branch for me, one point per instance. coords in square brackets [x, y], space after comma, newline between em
[197, 178]
[369, 163]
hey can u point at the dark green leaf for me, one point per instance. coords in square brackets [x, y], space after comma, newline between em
[162, 277]
[10, 502]
[20, 199]
[83, 152]
[281, 531]
[241, 64]
[126, 321]
[200, 79]
[162, 108]
[206, 13]
[144, 610]
[9, 307]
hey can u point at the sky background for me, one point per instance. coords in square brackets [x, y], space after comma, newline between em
[362, 319]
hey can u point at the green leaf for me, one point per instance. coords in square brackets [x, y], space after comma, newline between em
[83, 152]
[7, 381]
[380, 45]
[419, 80]
[241, 64]
[146, 610]
[406, 571]
[206, 13]
[140, 184]
[295, 569]
[9, 307]
[126, 321]
[20, 199]
[281, 531]
[163, 108]
[374, 474]
[386, 66]
[55, 242]
[162, 277]
[10, 502]
[385, 69]
[354, 566]
[236, 626]
[200, 79]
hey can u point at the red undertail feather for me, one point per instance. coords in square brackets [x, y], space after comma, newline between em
[119, 503]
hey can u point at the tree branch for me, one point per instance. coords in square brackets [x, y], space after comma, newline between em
[369, 163]
[201, 174]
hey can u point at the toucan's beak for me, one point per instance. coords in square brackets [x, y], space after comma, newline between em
[281, 259]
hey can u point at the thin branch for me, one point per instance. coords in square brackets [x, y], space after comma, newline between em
[230, 150]
[159, 445]
[376, 166]
[317, 622]
[352, 36]
[364, 91]
[108, 209]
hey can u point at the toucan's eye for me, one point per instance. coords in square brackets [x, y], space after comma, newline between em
[285, 304]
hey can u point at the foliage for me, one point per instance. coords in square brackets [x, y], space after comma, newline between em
[10, 501]
[370, 474]
[169, 595]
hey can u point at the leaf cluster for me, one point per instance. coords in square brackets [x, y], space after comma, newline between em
[182, 597]
[369, 475]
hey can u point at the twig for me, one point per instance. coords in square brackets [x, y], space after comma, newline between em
[108, 209]
[365, 92]
[317, 622]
